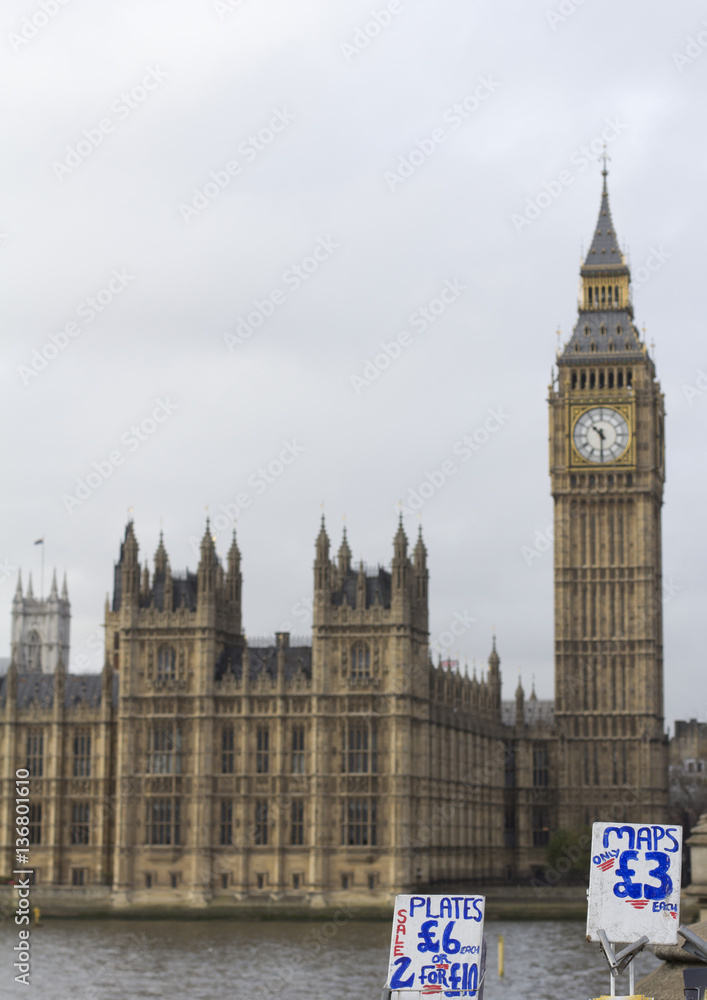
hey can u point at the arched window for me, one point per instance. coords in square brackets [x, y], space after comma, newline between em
[34, 651]
[586, 330]
[360, 660]
[166, 663]
[602, 330]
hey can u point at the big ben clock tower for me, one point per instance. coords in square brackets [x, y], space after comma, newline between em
[607, 466]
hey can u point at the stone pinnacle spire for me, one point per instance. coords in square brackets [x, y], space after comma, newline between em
[604, 253]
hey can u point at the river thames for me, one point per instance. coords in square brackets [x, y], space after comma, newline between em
[278, 960]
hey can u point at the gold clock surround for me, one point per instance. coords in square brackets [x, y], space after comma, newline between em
[627, 459]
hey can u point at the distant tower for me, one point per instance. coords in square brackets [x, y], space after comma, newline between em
[607, 465]
[40, 628]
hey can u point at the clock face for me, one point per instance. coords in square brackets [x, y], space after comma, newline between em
[601, 435]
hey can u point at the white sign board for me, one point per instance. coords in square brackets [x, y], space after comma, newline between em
[437, 945]
[634, 883]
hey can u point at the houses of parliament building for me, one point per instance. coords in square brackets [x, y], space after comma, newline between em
[201, 769]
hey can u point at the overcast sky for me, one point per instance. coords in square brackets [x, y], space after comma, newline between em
[323, 172]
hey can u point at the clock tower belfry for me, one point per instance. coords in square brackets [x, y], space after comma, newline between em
[607, 466]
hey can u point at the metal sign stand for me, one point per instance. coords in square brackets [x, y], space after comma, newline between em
[617, 963]
[693, 944]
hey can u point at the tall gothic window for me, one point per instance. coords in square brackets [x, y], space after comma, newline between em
[82, 754]
[261, 824]
[360, 660]
[166, 663]
[34, 651]
[358, 822]
[297, 827]
[298, 750]
[541, 772]
[227, 750]
[162, 821]
[35, 823]
[164, 750]
[359, 749]
[262, 753]
[541, 826]
[35, 753]
[226, 823]
[80, 822]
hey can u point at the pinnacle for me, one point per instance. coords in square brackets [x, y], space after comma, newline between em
[604, 252]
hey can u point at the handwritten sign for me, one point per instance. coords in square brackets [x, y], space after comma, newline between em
[437, 945]
[634, 883]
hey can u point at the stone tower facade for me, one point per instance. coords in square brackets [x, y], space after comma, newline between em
[40, 628]
[607, 465]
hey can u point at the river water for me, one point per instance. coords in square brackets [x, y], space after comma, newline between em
[278, 960]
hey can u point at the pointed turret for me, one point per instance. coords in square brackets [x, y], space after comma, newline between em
[30, 592]
[344, 557]
[520, 703]
[53, 593]
[494, 678]
[129, 567]
[207, 565]
[321, 561]
[234, 556]
[605, 323]
[401, 563]
[160, 556]
[605, 253]
[400, 542]
[420, 552]
[18, 590]
[361, 587]
[145, 586]
[64, 590]
[234, 582]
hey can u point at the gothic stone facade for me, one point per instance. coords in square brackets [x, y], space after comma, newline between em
[200, 768]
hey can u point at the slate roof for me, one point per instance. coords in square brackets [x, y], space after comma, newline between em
[37, 688]
[618, 330]
[378, 589]
[535, 710]
[184, 588]
[263, 659]
[604, 252]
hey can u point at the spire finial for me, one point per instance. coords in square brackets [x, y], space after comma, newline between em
[605, 171]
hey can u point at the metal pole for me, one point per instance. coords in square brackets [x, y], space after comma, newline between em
[631, 978]
[501, 955]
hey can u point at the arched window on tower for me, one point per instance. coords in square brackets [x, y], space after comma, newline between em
[34, 651]
[360, 660]
[166, 663]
